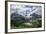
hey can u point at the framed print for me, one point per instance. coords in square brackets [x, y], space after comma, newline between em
[22, 16]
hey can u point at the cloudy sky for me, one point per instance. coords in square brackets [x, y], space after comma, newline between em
[25, 9]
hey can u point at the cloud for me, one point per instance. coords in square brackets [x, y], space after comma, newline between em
[21, 9]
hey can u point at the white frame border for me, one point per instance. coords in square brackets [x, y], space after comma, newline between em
[27, 29]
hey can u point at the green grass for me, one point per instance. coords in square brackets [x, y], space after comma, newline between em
[16, 25]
